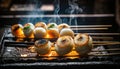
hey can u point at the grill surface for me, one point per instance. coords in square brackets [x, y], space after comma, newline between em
[97, 22]
[106, 50]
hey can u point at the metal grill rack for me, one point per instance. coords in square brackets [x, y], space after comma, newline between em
[106, 48]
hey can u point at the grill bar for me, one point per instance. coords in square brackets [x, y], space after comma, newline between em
[109, 54]
[90, 26]
[60, 15]
[103, 33]
[114, 49]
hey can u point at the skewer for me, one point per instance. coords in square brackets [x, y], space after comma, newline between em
[106, 42]
[114, 49]
[102, 33]
[89, 26]
[62, 15]
[94, 37]
[109, 54]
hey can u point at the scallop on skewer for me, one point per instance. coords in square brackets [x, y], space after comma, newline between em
[28, 29]
[52, 30]
[83, 44]
[40, 32]
[41, 24]
[42, 46]
[64, 45]
[67, 32]
[17, 30]
[62, 26]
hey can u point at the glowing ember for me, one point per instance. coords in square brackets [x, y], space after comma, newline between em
[24, 55]
[32, 48]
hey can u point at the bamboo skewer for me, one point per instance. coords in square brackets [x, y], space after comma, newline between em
[62, 15]
[95, 37]
[89, 26]
[105, 42]
[102, 33]
[114, 49]
[109, 54]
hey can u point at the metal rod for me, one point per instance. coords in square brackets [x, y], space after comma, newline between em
[102, 42]
[95, 37]
[109, 54]
[60, 15]
[89, 26]
[109, 44]
[102, 33]
[114, 49]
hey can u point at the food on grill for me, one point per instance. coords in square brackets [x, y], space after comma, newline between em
[41, 24]
[40, 32]
[62, 26]
[52, 25]
[28, 29]
[67, 32]
[83, 43]
[42, 46]
[64, 45]
[17, 30]
[52, 30]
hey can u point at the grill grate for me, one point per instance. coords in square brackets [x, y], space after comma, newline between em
[105, 47]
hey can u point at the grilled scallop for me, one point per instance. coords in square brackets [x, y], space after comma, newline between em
[52, 25]
[17, 30]
[52, 30]
[83, 44]
[40, 32]
[42, 46]
[41, 24]
[62, 26]
[28, 29]
[67, 32]
[64, 45]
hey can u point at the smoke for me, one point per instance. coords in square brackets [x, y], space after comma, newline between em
[36, 4]
[56, 19]
[73, 9]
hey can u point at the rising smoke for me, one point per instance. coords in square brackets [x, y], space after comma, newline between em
[72, 9]
[56, 19]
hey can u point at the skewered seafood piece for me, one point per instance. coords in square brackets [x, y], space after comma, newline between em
[41, 24]
[52, 30]
[83, 43]
[17, 30]
[64, 45]
[62, 26]
[40, 32]
[28, 29]
[67, 32]
[42, 46]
